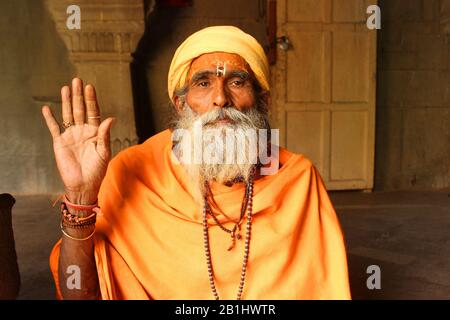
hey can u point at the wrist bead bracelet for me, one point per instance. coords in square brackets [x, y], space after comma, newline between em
[81, 207]
[73, 238]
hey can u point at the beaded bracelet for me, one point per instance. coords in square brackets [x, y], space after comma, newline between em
[73, 238]
[82, 225]
[70, 220]
[74, 217]
[81, 207]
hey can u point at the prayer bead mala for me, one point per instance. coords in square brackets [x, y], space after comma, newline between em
[237, 225]
[249, 206]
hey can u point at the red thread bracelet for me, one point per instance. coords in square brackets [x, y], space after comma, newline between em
[81, 207]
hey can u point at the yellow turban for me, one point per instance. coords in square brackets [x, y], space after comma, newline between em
[217, 39]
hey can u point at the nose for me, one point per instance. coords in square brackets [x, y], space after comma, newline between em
[220, 96]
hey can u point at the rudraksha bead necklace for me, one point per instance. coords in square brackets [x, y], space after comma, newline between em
[248, 200]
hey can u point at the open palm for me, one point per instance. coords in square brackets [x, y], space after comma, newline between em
[82, 151]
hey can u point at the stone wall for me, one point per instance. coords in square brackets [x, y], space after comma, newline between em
[33, 65]
[413, 96]
[39, 55]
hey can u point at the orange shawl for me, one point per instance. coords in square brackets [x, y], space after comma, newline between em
[149, 241]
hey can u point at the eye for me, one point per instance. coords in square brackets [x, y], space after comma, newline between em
[237, 83]
[203, 84]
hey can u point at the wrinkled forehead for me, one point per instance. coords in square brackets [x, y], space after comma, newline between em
[220, 63]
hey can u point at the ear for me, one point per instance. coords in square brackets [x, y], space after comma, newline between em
[178, 103]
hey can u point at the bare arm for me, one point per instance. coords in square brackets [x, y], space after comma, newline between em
[82, 154]
[78, 254]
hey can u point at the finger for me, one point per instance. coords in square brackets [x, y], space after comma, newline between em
[78, 101]
[67, 115]
[103, 137]
[52, 125]
[92, 109]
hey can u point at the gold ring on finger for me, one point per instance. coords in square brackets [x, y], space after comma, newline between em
[93, 117]
[67, 124]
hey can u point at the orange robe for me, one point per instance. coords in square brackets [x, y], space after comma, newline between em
[149, 240]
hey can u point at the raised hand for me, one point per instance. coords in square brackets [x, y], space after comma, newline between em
[82, 151]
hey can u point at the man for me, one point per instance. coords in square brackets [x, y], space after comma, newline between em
[173, 229]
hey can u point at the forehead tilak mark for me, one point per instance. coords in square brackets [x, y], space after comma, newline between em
[221, 68]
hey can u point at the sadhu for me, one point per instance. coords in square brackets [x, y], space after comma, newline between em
[143, 226]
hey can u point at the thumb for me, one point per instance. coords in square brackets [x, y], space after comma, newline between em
[103, 133]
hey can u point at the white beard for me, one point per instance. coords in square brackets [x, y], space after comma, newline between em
[236, 171]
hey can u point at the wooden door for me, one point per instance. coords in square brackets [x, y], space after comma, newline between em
[324, 88]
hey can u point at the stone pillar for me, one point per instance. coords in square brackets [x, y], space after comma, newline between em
[101, 51]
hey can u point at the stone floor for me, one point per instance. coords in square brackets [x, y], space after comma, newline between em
[406, 234]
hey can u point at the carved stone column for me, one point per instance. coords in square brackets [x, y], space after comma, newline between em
[101, 51]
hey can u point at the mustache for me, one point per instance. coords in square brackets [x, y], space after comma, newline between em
[254, 117]
[230, 114]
